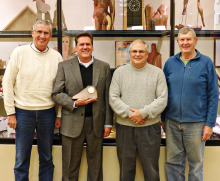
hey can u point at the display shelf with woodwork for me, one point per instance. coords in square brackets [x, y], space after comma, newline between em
[169, 35]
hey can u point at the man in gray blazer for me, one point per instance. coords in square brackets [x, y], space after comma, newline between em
[83, 119]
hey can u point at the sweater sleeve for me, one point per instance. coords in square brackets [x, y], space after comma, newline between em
[9, 80]
[165, 73]
[160, 102]
[115, 101]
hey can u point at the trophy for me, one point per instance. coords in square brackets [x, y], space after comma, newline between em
[89, 92]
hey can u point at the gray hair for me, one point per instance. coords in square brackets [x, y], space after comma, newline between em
[186, 30]
[139, 41]
[44, 22]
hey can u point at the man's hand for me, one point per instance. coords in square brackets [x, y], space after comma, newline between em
[143, 121]
[136, 117]
[82, 102]
[12, 122]
[107, 131]
[57, 122]
[207, 133]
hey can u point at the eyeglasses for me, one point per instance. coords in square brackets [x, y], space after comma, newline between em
[136, 52]
[42, 32]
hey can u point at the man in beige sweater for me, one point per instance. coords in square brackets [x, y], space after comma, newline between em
[27, 86]
[138, 94]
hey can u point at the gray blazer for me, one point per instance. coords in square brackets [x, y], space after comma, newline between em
[68, 83]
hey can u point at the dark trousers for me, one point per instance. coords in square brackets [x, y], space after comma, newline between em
[72, 152]
[142, 140]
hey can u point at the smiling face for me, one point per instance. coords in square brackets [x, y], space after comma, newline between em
[41, 36]
[138, 55]
[84, 48]
[187, 43]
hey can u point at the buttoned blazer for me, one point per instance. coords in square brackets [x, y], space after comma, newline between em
[68, 82]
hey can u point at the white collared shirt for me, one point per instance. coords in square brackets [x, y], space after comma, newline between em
[86, 64]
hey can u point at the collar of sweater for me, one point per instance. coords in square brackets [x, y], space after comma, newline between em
[38, 51]
[140, 68]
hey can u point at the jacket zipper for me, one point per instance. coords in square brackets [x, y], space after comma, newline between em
[181, 93]
[189, 70]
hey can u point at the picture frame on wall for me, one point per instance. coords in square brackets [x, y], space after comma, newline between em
[122, 53]
[217, 53]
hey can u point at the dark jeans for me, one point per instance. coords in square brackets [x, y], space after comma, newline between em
[27, 121]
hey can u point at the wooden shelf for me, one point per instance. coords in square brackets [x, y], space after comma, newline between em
[18, 34]
[121, 33]
[204, 33]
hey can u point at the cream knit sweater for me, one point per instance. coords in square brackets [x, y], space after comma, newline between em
[29, 78]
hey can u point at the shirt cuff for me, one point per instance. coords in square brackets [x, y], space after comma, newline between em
[109, 126]
[74, 104]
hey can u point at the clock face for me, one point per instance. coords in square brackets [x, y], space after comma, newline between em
[91, 90]
[134, 5]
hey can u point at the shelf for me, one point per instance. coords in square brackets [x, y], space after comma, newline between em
[121, 33]
[57, 141]
[112, 33]
[106, 141]
[204, 33]
[100, 33]
[18, 34]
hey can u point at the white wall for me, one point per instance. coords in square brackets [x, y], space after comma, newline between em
[7, 45]
[11, 8]
[105, 49]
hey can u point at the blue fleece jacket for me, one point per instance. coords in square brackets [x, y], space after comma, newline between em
[192, 90]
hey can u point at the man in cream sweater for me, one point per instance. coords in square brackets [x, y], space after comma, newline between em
[138, 94]
[27, 87]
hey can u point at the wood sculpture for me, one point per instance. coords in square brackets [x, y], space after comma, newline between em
[104, 19]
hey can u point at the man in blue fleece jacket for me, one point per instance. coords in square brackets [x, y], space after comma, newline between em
[192, 108]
